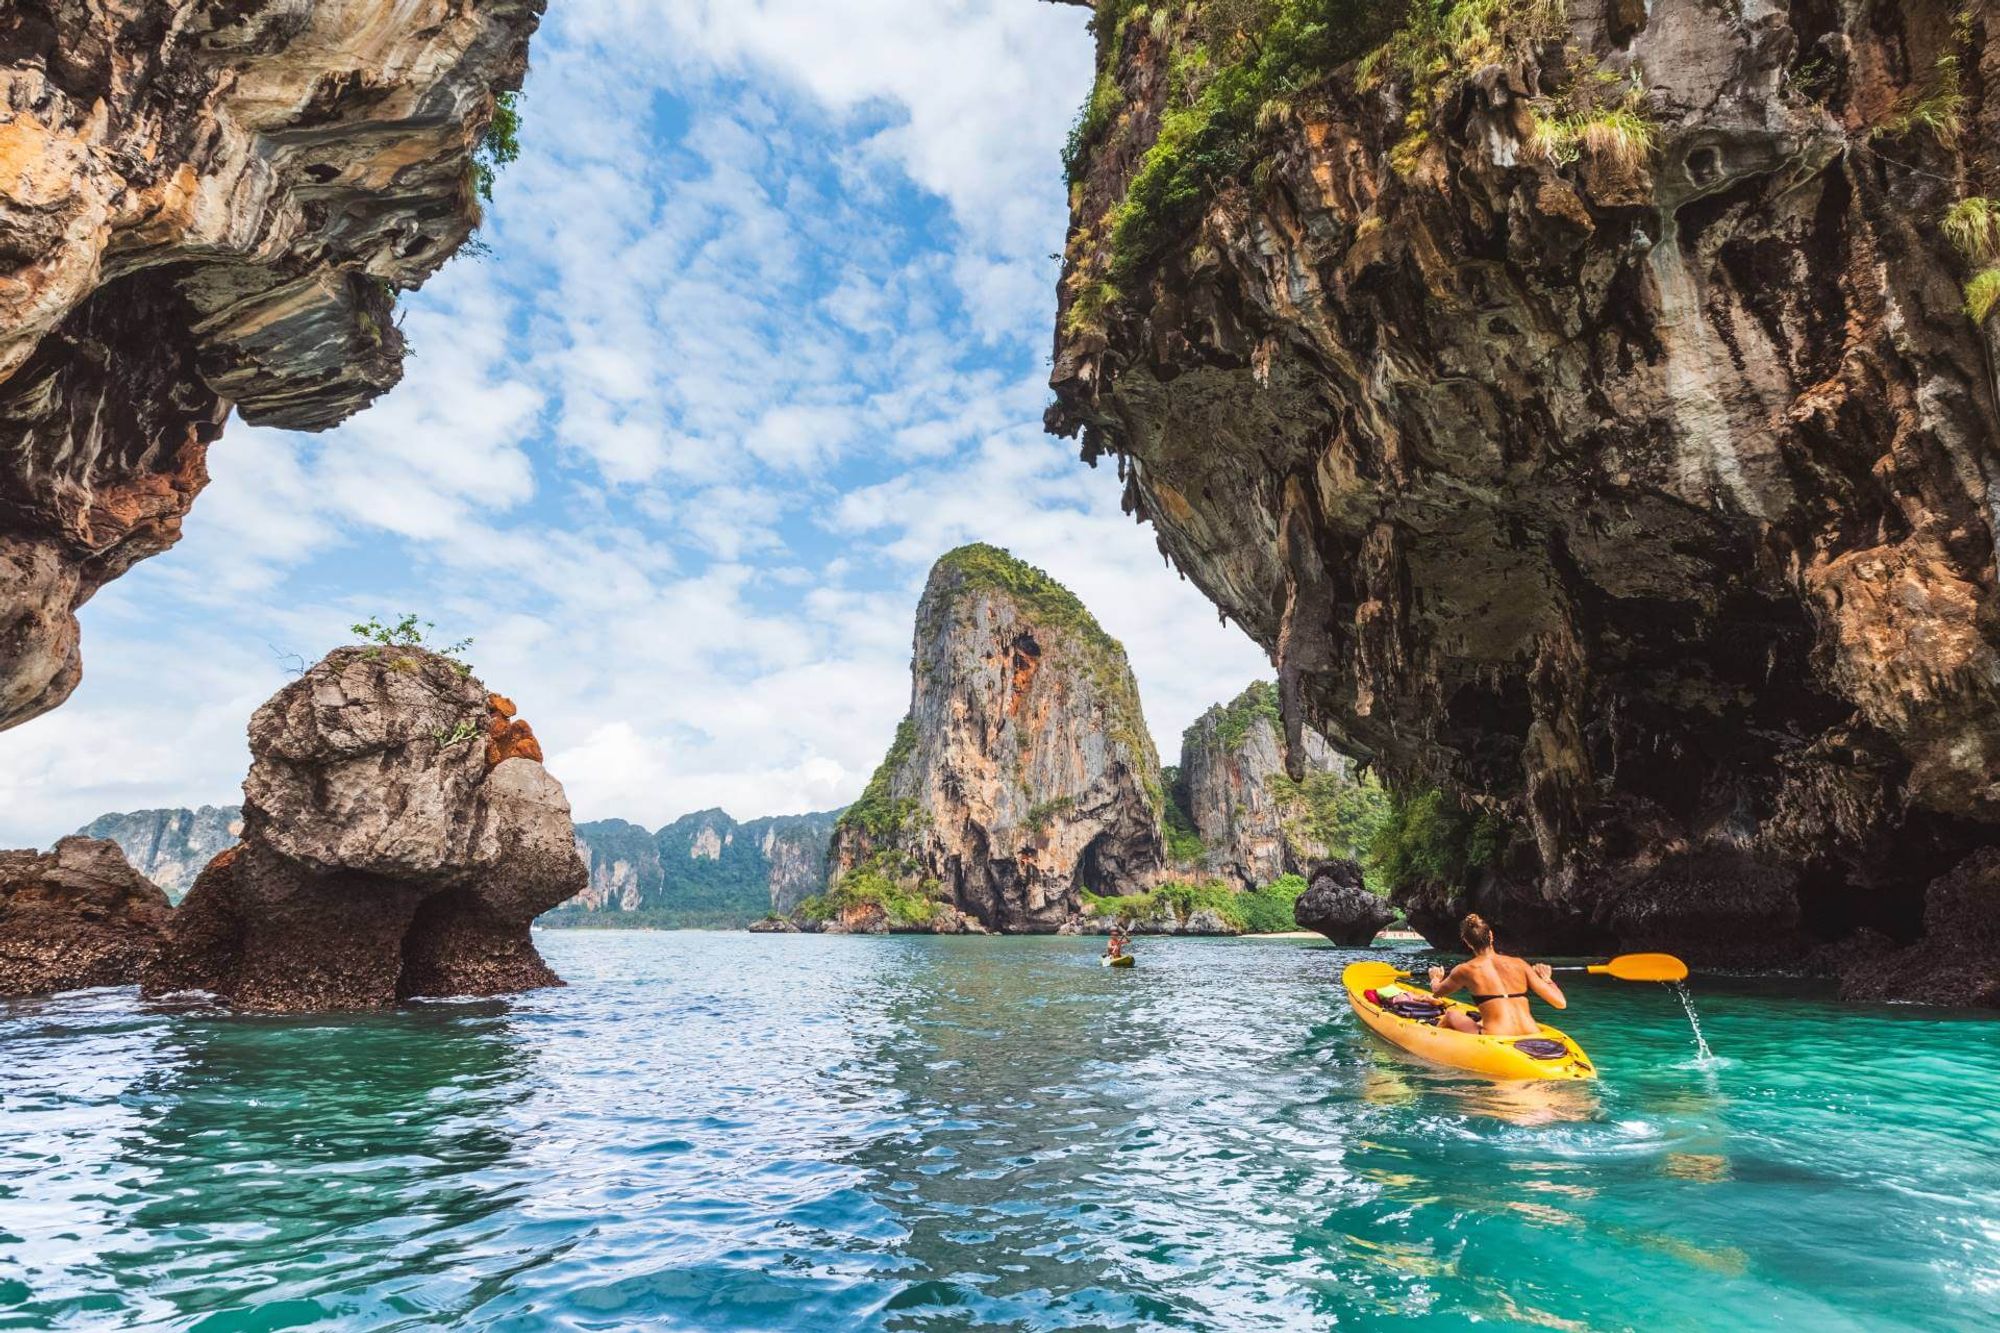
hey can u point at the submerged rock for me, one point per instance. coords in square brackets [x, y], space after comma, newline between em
[1024, 771]
[76, 917]
[1586, 419]
[382, 856]
[206, 206]
[1338, 905]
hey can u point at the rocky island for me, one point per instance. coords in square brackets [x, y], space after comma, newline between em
[1591, 411]
[399, 834]
[1022, 776]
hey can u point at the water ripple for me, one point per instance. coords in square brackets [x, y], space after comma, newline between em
[735, 1132]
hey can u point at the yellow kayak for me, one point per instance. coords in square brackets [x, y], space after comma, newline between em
[1547, 1054]
[1122, 960]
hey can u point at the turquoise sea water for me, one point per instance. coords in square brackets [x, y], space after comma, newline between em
[756, 1132]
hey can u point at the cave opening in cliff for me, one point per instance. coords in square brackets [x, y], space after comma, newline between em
[1093, 873]
[1026, 660]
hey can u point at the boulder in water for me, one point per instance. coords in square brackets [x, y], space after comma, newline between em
[383, 856]
[1957, 960]
[76, 917]
[1338, 905]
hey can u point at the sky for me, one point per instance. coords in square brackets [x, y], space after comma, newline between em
[763, 329]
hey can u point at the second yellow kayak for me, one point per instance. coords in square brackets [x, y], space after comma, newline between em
[1549, 1054]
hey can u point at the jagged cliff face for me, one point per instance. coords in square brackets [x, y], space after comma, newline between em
[1252, 819]
[1637, 491]
[704, 869]
[1024, 772]
[169, 847]
[205, 205]
[794, 848]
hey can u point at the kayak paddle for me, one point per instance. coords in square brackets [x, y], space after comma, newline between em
[1637, 967]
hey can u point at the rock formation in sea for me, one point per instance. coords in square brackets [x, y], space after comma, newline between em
[383, 856]
[75, 917]
[206, 206]
[704, 869]
[1023, 773]
[1338, 904]
[170, 847]
[1233, 812]
[1591, 410]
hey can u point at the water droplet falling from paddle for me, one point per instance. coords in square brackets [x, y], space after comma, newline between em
[1702, 1053]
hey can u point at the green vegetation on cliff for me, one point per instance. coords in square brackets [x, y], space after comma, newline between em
[980, 566]
[888, 880]
[1427, 837]
[498, 145]
[1232, 66]
[1262, 911]
[876, 812]
[1233, 720]
[1242, 58]
[1183, 839]
[1340, 813]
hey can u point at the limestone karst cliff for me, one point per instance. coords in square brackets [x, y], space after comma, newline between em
[206, 206]
[1581, 403]
[389, 849]
[1023, 773]
[169, 847]
[1235, 814]
[704, 869]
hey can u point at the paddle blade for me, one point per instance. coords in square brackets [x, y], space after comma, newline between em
[1363, 976]
[1644, 967]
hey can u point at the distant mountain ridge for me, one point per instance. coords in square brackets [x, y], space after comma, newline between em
[704, 869]
[170, 846]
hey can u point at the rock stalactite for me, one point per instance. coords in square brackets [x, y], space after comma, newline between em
[1585, 414]
[204, 206]
[1024, 773]
[383, 857]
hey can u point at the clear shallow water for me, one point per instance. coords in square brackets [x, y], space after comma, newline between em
[797, 1132]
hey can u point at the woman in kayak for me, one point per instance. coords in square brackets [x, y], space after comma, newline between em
[1500, 984]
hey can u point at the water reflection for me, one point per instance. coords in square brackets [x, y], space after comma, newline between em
[809, 1133]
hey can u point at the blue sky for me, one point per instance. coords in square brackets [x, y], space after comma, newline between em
[764, 329]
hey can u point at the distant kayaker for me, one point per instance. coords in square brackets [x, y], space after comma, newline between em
[1499, 983]
[1116, 948]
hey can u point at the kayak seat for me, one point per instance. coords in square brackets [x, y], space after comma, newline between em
[1541, 1048]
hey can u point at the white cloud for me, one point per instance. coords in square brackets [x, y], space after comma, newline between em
[760, 336]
